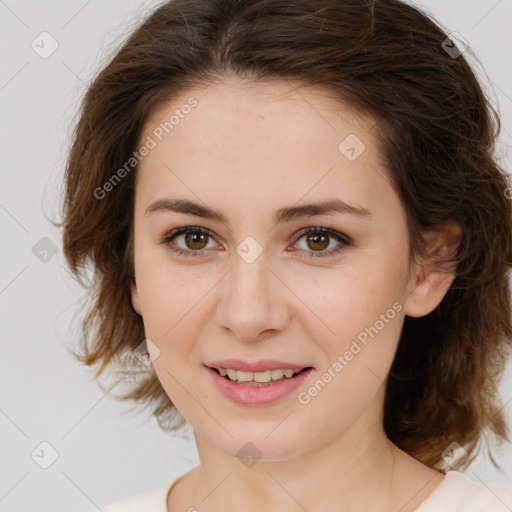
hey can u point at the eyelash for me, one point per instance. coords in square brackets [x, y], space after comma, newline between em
[345, 241]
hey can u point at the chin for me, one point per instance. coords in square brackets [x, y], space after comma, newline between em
[261, 446]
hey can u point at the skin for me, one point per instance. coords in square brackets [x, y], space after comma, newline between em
[249, 150]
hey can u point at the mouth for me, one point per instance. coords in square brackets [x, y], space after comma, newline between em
[257, 383]
[259, 379]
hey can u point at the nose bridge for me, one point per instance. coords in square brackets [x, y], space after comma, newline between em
[249, 303]
[250, 278]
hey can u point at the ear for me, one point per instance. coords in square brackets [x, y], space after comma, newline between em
[431, 279]
[135, 297]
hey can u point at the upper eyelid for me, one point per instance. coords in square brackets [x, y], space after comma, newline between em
[323, 230]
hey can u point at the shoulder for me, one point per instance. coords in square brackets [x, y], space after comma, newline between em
[457, 493]
[154, 500]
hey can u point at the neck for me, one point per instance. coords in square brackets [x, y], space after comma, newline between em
[357, 470]
[319, 480]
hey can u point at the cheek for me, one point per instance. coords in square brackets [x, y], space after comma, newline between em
[348, 302]
[367, 320]
[364, 316]
[165, 292]
[175, 307]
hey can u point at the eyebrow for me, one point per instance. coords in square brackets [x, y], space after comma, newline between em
[282, 215]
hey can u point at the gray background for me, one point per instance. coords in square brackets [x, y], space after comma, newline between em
[104, 454]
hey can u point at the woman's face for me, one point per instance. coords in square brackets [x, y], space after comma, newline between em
[254, 283]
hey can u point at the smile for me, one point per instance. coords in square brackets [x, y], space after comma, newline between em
[257, 388]
[259, 379]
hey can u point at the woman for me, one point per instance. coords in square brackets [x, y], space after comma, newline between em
[293, 208]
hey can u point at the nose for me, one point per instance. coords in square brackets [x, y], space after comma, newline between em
[253, 306]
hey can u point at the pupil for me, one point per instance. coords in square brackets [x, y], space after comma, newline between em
[194, 238]
[315, 238]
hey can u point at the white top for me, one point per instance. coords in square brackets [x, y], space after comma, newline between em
[456, 493]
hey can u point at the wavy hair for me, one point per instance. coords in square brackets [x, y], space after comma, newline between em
[436, 131]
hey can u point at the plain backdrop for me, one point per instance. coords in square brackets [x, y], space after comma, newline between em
[96, 453]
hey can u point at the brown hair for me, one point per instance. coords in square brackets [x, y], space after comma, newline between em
[437, 132]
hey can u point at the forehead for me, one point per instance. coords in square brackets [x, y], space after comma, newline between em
[263, 141]
[223, 108]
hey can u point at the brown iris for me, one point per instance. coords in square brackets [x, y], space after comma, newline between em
[320, 241]
[196, 238]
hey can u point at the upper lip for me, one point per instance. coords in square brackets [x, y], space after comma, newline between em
[262, 365]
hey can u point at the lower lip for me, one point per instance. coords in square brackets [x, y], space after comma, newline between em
[257, 395]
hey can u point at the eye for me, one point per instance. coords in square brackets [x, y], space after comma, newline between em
[195, 240]
[319, 239]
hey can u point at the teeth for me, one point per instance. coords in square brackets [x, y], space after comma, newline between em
[244, 376]
[260, 377]
[277, 374]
